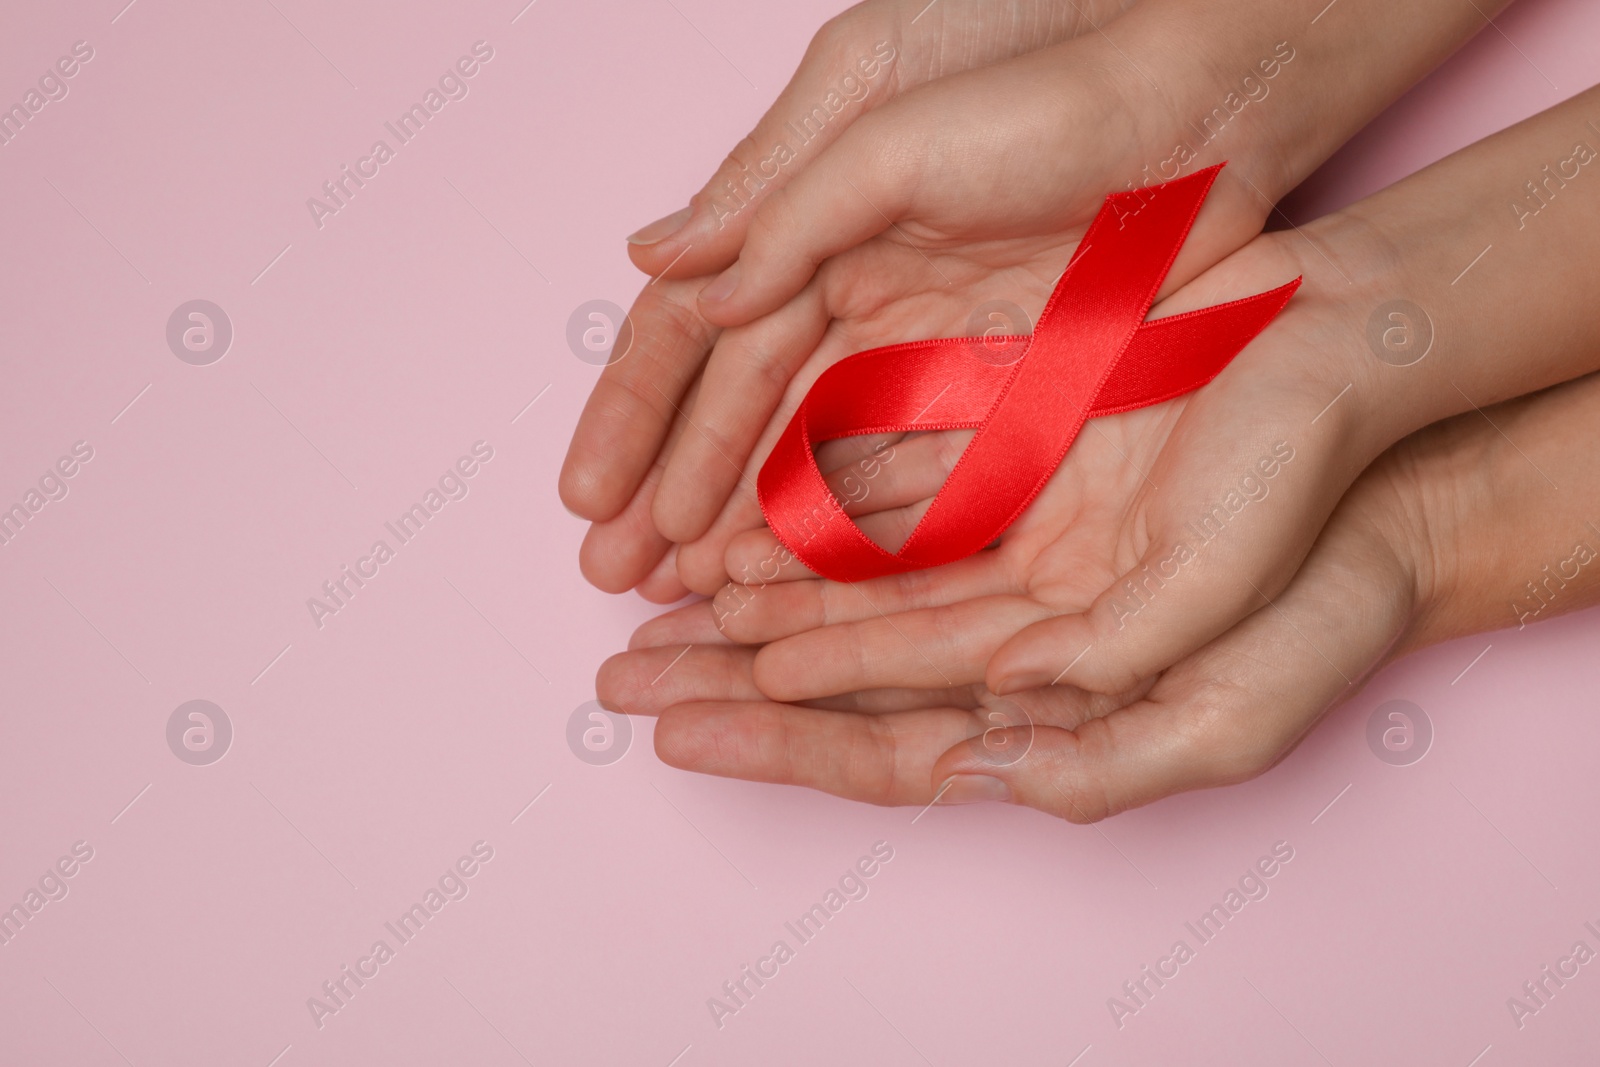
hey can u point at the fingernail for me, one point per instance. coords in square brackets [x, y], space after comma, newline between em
[660, 229]
[973, 789]
[723, 287]
[1004, 686]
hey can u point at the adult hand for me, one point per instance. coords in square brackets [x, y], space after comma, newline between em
[858, 61]
[1012, 189]
[1434, 541]
[1164, 527]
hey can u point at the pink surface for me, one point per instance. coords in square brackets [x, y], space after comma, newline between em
[371, 754]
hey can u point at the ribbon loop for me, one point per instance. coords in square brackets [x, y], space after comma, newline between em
[1091, 354]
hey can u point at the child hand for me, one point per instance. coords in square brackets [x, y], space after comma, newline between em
[965, 172]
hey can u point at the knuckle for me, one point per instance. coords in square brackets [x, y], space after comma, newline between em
[768, 672]
[732, 607]
[615, 683]
[1229, 747]
[833, 36]
[1082, 803]
[767, 368]
[621, 400]
[1084, 798]
[878, 765]
[667, 325]
[773, 220]
[916, 589]
[947, 450]
[719, 440]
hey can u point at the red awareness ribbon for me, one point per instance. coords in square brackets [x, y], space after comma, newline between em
[1091, 354]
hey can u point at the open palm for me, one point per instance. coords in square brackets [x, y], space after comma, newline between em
[859, 249]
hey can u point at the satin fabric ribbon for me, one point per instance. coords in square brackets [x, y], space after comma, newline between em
[1091, 354]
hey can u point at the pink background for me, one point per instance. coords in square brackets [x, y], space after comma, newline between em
[373, 752]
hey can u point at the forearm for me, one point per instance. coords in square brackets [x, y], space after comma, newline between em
[1502, 510]
[1276, 87]
[1496, 249]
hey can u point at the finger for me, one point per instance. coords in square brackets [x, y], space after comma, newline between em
[707, 671]
[745, 379]
[701, 563]
[635, 401]
[850, 67]
[1168, 744]
[623, 551]
[693, 624]
[853, 191]
[1230, 711]
[762, 558]
[644, 681]
[760, 612]
[895, 475]
[1216, 548]
[853, 65]
[886, 491]
[928, 648]
[843, 451]
[879, 759]
[881, 701]
[852, 464]
[661, 585]
[879, 746]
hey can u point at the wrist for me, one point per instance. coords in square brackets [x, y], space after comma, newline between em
[1277, 92]
[1190, 108]
[1368, 337]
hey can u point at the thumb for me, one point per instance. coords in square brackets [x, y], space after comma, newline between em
[844, 74]
[855, 190]
[1131, 757]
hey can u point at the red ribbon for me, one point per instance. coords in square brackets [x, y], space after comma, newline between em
[1092, 354]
